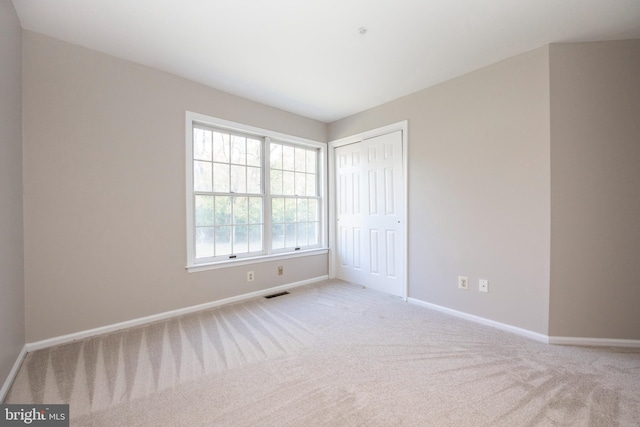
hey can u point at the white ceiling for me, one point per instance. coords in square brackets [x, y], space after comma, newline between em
[308, 57]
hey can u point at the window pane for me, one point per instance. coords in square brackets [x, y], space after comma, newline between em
[288, 154]
[276, 182]
[277, 236]
[204, 210]
[202, 176]
[290, 210]
[255, 238]
[302, 234]
[254, 181]
[223, 210]
[300, 159]
[277, 210]
[313, 233]
[240, 210]
[204, 242]
[238, 150]
[255, 210]
[240, 239]
[220, 147]
[276, 156]
[303, 214]
[314, 214]
[238, 179]
[201, 144]
[311, 185]
[290, 235]
[220, 178]
[312, 161]
[223, 240]
[288, 184]
[301, 184]
[254, 152]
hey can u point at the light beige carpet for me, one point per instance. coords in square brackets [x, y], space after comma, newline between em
[331, 354]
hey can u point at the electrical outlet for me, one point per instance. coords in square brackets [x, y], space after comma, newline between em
[250, 276]
[463, 282]
[280, 270]
[483, 285]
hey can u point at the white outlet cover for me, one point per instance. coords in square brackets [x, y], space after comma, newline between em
[463, 282]
[483, 285]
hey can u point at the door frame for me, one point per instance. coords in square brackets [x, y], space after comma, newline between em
[333, 253]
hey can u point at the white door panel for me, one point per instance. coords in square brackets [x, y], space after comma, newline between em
[370, 211]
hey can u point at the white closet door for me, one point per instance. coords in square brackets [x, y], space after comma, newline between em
[369, 213]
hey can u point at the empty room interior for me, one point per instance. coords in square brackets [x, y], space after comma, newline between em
[321, 213]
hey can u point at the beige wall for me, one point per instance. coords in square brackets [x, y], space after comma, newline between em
[11, 247]
[479, 188]
[105, 190]
[595, 192]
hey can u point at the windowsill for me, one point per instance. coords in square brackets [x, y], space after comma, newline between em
[254, 260]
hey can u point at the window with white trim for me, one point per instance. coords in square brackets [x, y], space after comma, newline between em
[251, 193]
[295, 203]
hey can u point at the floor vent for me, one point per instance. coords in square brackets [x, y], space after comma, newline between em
[279, 294]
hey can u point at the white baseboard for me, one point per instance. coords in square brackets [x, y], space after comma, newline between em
[50, 342]
[594, 342]
[483, 321]
[12, 374]
[577, 341]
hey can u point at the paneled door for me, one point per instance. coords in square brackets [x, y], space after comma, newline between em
[369, 212]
